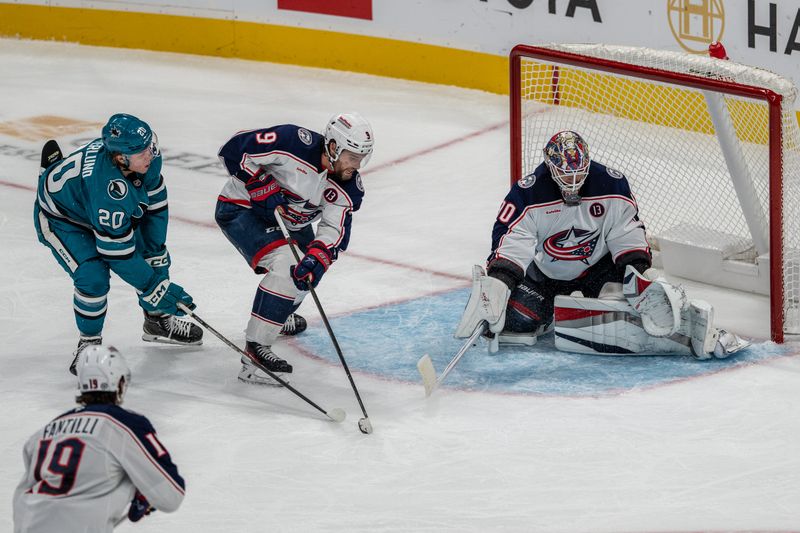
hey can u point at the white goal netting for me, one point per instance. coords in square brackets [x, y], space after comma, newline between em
[697, 157]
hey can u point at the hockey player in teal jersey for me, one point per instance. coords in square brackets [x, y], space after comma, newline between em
[103, 208]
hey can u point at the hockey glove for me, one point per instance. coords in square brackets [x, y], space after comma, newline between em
[140, 507]
[164, 298]
[487, 302]
[307, 273]
[265, 196]
[160, 261]
[660, 304]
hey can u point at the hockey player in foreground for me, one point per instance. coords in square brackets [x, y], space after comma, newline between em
[307, 177]
[84, 468]
[104, 208]
[573, 225]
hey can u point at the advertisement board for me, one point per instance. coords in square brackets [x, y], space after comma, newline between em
[764, 33]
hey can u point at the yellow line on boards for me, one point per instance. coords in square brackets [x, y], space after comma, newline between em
[261, 42]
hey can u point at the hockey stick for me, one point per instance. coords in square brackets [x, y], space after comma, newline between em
[364, 425]
[428, 372]
[335, 414]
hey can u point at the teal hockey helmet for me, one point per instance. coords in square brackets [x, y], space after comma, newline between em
[128, 135]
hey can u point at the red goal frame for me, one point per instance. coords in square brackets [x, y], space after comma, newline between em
[772, 99]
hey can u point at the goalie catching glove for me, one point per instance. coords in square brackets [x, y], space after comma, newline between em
[487, 302]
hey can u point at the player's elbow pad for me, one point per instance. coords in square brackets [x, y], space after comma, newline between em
[168, 503]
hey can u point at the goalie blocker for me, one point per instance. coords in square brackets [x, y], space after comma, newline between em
[642, 317]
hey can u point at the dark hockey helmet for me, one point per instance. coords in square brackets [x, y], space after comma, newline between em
[103, 369]
[567, 156]
[351, 132]
[128, 135]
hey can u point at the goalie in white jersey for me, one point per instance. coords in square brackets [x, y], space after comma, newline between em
[309, 177]
[98, 464]
[573, 225]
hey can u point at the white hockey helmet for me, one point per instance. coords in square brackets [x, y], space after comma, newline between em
[351, 132]
[103, 369]
[567, 157]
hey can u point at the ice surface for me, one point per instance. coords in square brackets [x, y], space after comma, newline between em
[528, 440]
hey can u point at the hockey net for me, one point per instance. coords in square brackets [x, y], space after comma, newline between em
[711, 149]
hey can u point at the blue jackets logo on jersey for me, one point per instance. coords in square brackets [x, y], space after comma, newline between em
[572, 245]
[527, 181]
[305, 136]
[117, 189]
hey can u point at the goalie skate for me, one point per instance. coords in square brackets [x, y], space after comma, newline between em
[169, 329]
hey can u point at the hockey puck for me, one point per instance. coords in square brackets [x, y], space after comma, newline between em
[365, 426]
[336, 414]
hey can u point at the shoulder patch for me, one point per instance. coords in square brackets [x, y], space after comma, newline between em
[614, 173]
[359, 184]
[330, 194]
[117, 189]
[305, 136]
[527, 182]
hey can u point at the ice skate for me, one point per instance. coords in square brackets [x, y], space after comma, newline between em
[252, 375]
[264, 355]
[294, 325]
[170, 329]
[83, 342]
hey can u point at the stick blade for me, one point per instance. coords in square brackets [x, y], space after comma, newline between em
[428, 373]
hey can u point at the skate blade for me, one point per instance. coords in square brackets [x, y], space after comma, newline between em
[167, 340]
[258, 382]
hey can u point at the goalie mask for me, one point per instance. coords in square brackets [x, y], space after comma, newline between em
[567, 157]
[351, 132]
[103, 369]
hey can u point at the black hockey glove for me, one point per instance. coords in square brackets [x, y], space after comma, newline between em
[265, 196]
[506, 271]
[312, 266]
[140, 507]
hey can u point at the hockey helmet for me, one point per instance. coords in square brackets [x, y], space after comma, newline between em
[101, 369]
[351, 132]
[567, 157]
[128, 135]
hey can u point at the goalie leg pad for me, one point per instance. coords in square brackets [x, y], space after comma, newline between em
[608, 327]
[699, 321]
[487, 301]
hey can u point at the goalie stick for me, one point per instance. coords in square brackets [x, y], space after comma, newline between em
[364, 425]
[428, 372]
[335, 414]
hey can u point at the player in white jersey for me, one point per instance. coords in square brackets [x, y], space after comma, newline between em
[573, 225]
[309, 177]
[93, 466]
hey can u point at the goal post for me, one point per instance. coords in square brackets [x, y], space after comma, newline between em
[711, 149]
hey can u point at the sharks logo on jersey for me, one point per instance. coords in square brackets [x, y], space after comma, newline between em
[573, 244]
[117, 189]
